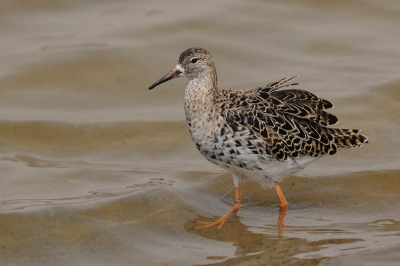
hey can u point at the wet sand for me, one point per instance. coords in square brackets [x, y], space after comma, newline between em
[97, 170]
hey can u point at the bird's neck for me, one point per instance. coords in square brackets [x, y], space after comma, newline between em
[199, 97]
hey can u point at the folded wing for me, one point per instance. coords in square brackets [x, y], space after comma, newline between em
[289, 122]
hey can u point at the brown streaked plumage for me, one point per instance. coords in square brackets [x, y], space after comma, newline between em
[266, 133]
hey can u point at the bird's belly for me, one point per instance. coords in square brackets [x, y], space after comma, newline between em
[239, 153]
[243, 160]
[266, 171]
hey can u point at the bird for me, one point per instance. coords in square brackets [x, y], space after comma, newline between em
[264, 134]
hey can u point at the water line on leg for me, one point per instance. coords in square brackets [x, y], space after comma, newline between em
[238, 195]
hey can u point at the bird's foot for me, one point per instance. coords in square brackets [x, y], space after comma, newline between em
[221, 221]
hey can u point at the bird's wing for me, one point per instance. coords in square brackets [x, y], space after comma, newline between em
[290, 122]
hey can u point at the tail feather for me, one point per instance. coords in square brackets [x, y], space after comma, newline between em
[339, 132]
[350, 140]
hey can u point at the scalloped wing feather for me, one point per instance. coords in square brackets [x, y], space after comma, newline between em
[289, 122]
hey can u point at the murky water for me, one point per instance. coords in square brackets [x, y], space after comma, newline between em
[97, 170]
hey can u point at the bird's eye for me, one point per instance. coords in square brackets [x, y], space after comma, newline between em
[194, 60]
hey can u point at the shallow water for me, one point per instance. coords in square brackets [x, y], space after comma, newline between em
[97, 170]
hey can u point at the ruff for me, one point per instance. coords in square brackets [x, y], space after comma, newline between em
[264, 133]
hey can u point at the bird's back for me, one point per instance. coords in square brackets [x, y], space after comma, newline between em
[282, 124]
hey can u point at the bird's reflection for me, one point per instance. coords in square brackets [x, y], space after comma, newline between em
[264, 247]
[257, 198]
[280, 222]
[281, 219]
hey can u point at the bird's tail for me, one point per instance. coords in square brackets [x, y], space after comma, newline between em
[348, 137]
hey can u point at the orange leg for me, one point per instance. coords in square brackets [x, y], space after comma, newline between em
[282, 201]
[238, 195]
[221, 221]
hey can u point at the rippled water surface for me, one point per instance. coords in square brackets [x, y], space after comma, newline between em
[97, 170]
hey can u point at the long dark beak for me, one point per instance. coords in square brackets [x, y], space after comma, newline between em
[171, 75]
